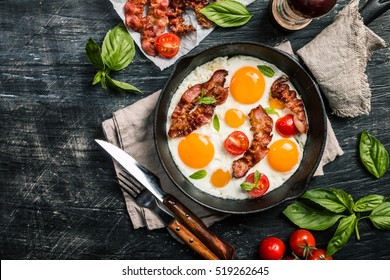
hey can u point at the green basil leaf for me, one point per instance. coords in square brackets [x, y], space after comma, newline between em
[103, 80]
[266, 70]
[93, 54]
[344, 198]
[342, 234]
[270, 110]
[227, 13]
[121, 86]
[326, 198]
[98, 77]
[198, 174]
[247, 186]
[207, 100]
[368, 203]
[380, 216]
[309, 217]
[118, 48]
[256, 177]
[373, 155]
[216, 124]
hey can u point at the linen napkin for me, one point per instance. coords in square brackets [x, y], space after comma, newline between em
[131, 129]
[338, 57]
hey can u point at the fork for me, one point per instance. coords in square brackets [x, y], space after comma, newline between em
[145, 199]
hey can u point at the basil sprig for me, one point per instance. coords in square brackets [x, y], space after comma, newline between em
[199, 174]
[116, 54]
[266, 70]
[270, 111]
[319, 209]
[373, 155]
[248, 186]
[216, 123]
[227, 13]
[207, 100]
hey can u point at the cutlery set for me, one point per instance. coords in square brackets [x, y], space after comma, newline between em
[144, 187]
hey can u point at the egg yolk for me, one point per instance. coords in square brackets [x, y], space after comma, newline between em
[247, 85]
[234, 117]
[196, 150]
[283, 155]
[275, 103]
[220, 178]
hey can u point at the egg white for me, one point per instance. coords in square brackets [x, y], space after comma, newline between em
[222, 159]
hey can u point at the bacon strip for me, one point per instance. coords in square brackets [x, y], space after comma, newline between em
[176, 20]
[281, 91]
[151, 26]
[261, 125]
[188, 115]
[175, 15]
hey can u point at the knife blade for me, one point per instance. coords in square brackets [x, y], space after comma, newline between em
[143, 176]
[145, 199]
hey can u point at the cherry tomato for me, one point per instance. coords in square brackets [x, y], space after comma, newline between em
[285, 126]
[319, 254]
[167, 44]
[236, 143]
[271, 248]
[302, 242]
[256, 189]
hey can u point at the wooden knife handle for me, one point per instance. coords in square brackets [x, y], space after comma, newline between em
[221, 248]
[191, 240]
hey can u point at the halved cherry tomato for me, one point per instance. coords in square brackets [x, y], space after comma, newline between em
[256, 189]
[236, 143]
[302, 243]
[319, 254]
[271, 248]
[167, 44]
[285, 126]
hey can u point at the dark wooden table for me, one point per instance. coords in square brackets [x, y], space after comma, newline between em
[59, 199]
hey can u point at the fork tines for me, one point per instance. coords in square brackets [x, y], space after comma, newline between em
[129, 184]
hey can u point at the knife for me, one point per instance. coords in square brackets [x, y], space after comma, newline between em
[146, 178]
[145, 199]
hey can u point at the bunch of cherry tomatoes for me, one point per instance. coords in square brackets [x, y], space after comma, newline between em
[302, 244]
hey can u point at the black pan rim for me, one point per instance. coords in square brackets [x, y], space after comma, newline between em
[304, 184]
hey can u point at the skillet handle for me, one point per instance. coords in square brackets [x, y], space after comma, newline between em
[221, 248]
[372, 9]
[192, 241]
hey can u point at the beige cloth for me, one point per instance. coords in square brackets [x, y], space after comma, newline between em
[338, 57]
[131, 129]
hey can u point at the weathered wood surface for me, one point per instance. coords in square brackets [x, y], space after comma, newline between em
[59, 199]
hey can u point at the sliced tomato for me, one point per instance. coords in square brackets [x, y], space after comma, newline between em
[167, 44]
[256, 184]
[285, 126]
[236, 143]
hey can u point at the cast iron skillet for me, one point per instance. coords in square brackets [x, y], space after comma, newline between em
[311, 97]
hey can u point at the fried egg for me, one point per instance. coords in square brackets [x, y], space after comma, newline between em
[203, 149]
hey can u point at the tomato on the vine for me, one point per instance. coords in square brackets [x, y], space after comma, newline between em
[285, 126]
[256, 184]
[236, 143]
[318, 254]
[302, 242]
[167, 44]
[271, 248]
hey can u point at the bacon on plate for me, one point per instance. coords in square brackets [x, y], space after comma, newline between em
[151, 26]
